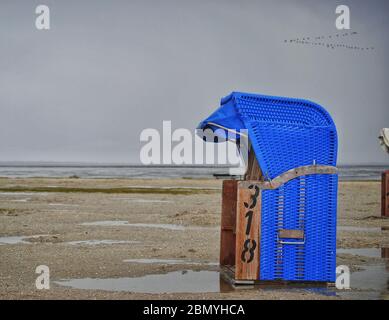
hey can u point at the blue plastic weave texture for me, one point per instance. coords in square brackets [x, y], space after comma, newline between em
[307, 203]
[287, 133]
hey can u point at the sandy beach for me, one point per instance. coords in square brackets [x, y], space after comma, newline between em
[157, 231]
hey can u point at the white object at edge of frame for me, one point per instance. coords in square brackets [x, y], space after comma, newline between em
[384, 139]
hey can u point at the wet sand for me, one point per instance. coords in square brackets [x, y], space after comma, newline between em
[159, 232]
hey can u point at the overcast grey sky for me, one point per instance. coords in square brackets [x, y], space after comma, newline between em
[85, 89]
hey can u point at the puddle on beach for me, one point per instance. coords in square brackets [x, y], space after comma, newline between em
[174, 187]
[170, 262]
[20, 196]
[100, 242]
[24, 240]
[365, 252]
[172, 282]
[149, 201]
[360, 229]
[20, 200]
[16, 194]
[144, 200]
[117, 223]
[63, 204]
[19, 239]
[372, 282]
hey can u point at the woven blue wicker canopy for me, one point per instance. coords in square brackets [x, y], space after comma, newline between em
[287, 133]
[284, 132]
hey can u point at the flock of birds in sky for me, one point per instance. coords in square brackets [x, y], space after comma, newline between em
[334, 41]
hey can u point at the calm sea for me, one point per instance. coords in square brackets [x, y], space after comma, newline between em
[152, 172]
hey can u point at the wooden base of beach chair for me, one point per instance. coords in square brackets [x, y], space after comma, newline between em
[228, 274]
[241, 225]
[240, 221]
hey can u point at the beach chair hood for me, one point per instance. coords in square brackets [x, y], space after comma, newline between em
[285, 133]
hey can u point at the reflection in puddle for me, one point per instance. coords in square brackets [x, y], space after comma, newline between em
[19, 239]
[170, 261]
[172, 282]
[99, 242]
[322, 290]
[116, 223]
[372, 278]
[371, 283]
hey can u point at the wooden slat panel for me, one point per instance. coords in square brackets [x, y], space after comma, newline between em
[228, 223]
[248, 221]
[253, 171]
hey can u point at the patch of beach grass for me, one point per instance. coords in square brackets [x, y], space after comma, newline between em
[8, 212]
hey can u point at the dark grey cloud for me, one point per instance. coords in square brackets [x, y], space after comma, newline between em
[84, 90]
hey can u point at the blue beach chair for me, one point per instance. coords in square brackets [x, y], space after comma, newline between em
[286, 134]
